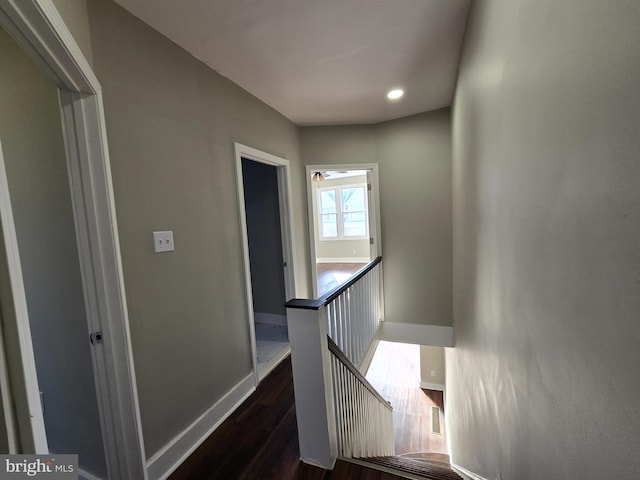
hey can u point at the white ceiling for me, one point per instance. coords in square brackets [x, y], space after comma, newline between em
[323, 62]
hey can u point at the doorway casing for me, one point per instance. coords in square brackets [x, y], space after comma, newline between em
[38, 28]
[373, 205]
[286, 229]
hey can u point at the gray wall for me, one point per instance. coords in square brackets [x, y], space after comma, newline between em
[171, 124]
[33, 147]
[543, 380]
[432, 365]
[262, 207]
[74, 15]
[414, 157]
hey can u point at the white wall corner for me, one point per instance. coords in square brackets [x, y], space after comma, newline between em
[432, 335]
[432, 386]
[168, 458]
[466, 474]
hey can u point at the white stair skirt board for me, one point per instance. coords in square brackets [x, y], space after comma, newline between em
[432, 386]
[343, 260]
[466, 474]
[270, 318]
[84, 475]
[431, 335]
[368, 357]
[168, 458]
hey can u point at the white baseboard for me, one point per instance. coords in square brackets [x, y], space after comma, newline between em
[343, 260]
[84, 475]
[270, 318]
[313, 463]
[432, 335]
[168, 458]
[466, 474]
[432, 386]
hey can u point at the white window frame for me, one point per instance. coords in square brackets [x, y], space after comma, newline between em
[340, 211]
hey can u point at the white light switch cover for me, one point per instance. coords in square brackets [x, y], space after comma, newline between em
[163, 241]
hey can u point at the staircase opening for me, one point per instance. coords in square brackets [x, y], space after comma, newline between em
[418, 412]
[341, 414]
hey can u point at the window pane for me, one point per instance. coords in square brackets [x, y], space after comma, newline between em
[328, 201]
[353, 199]
[329, 225]
[354, 224]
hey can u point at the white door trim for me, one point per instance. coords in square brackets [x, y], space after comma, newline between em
[373, 204]
[37, 26]
[20, 400]
[286, 228]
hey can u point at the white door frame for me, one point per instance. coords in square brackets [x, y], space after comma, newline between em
[286, 229]
[37, 26]
[373, 204]
[20, 401]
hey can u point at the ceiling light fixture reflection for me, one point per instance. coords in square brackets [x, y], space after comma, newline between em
[395, 94]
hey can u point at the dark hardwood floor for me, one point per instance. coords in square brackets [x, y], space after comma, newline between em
[330, 275]
[260, 441]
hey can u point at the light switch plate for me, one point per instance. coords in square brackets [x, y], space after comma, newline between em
[163, 241]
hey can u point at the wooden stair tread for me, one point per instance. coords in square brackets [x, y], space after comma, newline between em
[429, 458]
[416, 465]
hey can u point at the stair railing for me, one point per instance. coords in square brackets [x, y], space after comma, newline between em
[338, 411]
[354, 312]
[364, 419]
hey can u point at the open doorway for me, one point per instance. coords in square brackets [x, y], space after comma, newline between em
[343, 223]
[263, 186]
[61, 232]
[35, 185]
[262, 208]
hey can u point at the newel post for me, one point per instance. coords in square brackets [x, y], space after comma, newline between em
[310, 360]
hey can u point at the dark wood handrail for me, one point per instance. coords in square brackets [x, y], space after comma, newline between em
[335, 349]
[315, 304]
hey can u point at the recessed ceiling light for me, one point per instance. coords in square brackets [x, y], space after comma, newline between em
[395, 94]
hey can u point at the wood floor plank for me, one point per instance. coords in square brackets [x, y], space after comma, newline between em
[330, 275]
[260, 441]
[395, 373]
